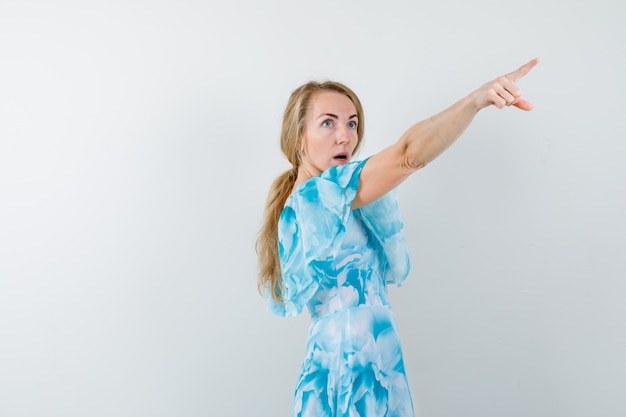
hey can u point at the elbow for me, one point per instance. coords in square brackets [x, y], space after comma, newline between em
[413, 154]
[412, 163]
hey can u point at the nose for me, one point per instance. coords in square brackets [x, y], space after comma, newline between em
[343, 135]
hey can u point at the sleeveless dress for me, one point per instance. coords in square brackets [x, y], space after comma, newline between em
[337, 262]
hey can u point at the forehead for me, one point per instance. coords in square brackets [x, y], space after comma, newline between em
[332, 102]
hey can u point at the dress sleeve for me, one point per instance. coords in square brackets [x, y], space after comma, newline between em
[382, 218]
[310, 231]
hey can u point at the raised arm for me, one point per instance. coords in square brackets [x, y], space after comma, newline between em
[426, 140]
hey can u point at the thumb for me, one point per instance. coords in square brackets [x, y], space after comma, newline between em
[523, 105]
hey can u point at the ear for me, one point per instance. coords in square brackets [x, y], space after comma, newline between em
[301, 145]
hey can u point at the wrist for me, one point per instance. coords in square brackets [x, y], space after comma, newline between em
[476, 102]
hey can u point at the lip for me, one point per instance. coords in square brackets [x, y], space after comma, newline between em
[341, 158]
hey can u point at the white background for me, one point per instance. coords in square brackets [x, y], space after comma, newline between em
[137, 143]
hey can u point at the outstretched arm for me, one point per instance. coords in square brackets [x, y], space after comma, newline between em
[426, 140]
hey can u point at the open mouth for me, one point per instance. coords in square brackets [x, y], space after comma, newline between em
[342, 157]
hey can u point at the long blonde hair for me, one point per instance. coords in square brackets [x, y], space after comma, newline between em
[270, 275]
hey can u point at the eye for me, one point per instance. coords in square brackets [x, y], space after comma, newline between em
[352, 124]
[327, 123]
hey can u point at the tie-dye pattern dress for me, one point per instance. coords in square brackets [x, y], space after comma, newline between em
[337, 262]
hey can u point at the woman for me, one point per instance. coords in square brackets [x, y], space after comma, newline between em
[332, 240]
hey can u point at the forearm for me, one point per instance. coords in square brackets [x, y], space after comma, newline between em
[426, 140]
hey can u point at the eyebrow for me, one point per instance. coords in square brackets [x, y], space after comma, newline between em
[337, 117]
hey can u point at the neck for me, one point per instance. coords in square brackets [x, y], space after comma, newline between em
[306, 171]
[302, 175]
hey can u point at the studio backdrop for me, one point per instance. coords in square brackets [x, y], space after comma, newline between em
[138, 140]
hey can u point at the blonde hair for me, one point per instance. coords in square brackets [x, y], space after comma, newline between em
[270, 275]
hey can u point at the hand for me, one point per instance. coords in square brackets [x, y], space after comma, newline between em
[503, 91]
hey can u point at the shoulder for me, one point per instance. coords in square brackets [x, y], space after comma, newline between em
[336, 180]
[343, 175]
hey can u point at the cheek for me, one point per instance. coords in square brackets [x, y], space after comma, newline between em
[355, 143]
[314, 144]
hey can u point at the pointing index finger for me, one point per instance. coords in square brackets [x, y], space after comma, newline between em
[523, 70]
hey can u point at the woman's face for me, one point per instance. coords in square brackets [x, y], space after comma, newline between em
[330, 132]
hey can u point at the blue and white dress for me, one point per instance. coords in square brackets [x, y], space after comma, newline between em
[337, 262]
